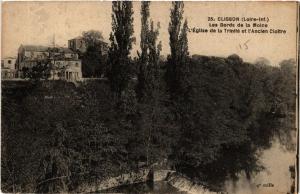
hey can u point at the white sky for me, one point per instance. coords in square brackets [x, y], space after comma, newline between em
[37, 22]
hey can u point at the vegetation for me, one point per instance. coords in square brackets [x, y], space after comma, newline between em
[151, 115]
[81, 134]
[41, 71]
[94, 59]
[177, 61]
[121, 39]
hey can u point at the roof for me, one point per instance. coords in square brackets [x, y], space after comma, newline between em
[61, 49]
[39, 48]
[4, 58]
[34, 48]
[78, 37]
[99, 40]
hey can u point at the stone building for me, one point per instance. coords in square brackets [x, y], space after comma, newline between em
[64, 63]
[8, 68]
[79, 44]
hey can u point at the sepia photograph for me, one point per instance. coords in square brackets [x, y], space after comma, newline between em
[156, 97]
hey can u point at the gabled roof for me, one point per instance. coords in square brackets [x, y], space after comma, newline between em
[102, 40]
[34, 48]
[60, 49]
[38, 48]
[78, 37]
[8, 58]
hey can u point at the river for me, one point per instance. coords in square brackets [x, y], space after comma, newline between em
[275, 179]
[149, 187]
[276, 161]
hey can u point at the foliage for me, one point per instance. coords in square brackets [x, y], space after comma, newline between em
[151, 113]
[177, 61]
[231, 107]
[41, 71]
[92, 37]
[121, 39]
[55, 136]
[94, 59]
[148, 60]
[70, 142]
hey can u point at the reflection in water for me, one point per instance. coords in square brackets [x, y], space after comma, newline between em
[275, 179]
[161, 187]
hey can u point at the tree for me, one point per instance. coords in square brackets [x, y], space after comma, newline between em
[183, 62]
[178, 80]
[94, 59]
[41, 71]
[142, 57]
[54, 166]
[148, 61]
[177, 60]
[121, 40]
[148, 89]
[145, 13]
[92, 37]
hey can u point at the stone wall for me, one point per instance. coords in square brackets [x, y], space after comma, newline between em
[124, 179]
[161, 175]
[185, 184]
[173, 178]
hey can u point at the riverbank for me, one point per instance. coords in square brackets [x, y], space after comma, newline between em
[185, 184]
[180, 182]
[124, 179]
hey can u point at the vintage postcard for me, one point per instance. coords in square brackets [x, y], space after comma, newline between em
[166, 97]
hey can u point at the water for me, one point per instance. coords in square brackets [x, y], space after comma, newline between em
[159, 187]
[276, 179]
[277, 161]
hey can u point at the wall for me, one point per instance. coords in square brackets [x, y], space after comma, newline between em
[124, 179]
[185, 184]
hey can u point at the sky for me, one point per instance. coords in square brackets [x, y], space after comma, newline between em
[36, 23]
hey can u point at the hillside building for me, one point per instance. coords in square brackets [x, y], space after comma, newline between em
[8, 68]
[79, 44]
[64, 63]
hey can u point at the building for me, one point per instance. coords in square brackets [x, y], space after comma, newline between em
[63, 62]
[8, 68]
[79, 44]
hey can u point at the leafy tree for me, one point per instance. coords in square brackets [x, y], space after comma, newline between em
[121, 43]
[221, 120]
[177, 62]
[143, 56]
[145, 13]
[94, 59]
[92, 37]
[54, 167]
[148, 60]
[148, 89]
[41, 71]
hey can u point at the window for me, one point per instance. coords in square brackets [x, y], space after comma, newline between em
[9, 61]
